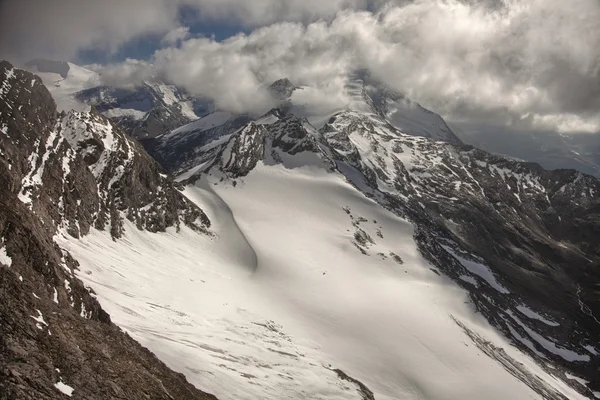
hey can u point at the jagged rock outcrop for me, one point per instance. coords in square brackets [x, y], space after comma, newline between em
[191, 145]
[72, 172]
[148, 110]
[271, 139]
[78, 170]
[128, 181]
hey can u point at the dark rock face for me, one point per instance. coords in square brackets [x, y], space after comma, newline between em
[536, 231]
[282, 89]
[243, 151]
[187, 149]
[290, 135]
[364, 391]
[237, 145]
[154, 108]
[272, 143]
[129, 182]
[52, 328]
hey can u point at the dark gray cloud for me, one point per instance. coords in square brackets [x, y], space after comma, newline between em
[60, 28]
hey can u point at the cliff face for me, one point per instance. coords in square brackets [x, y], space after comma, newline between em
[70, 173]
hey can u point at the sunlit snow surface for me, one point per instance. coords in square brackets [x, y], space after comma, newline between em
[211, 120]
[5, 258]
[63, 90]
[65, 389]
[281, 296]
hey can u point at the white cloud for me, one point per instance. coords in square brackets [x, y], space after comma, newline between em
[516, 62]
[126, 74]
[173, 37]
[565, 123]
[60, 28]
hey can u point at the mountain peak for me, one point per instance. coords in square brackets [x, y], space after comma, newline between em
[405, 114]
[282, 89]
[65, 176]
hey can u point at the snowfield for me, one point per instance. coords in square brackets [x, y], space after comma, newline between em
[63, 90]
[282, 295]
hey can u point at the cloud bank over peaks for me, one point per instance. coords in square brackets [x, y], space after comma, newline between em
[527, 63]
[59, 29]
[534, 63]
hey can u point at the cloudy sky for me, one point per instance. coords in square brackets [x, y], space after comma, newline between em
[527, 64]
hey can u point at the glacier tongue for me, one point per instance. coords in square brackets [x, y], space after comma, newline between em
[305, 275]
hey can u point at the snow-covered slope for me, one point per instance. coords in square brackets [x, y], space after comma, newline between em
[283, 296]
[64, 81]
[350, 261]
[411, 118]
[496, 227]
[307, 274]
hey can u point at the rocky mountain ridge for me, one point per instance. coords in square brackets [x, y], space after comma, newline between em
[522, 240]
[147, 110]
[516, 227]
[65, 174]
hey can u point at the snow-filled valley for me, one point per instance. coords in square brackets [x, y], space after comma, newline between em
[280, 299]
[315, 251]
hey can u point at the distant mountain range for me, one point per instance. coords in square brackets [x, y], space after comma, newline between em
[143, 111]
[580, 151]
[154, 108]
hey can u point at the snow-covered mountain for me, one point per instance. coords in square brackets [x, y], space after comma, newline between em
[146, 110]
[64, 80]
[367, 95]
[324, 255]
[154, 108]
[401, 112]
[71, 174]
[510, 233]
[184, 147]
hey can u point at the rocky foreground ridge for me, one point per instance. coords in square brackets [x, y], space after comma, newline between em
[66, 174]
